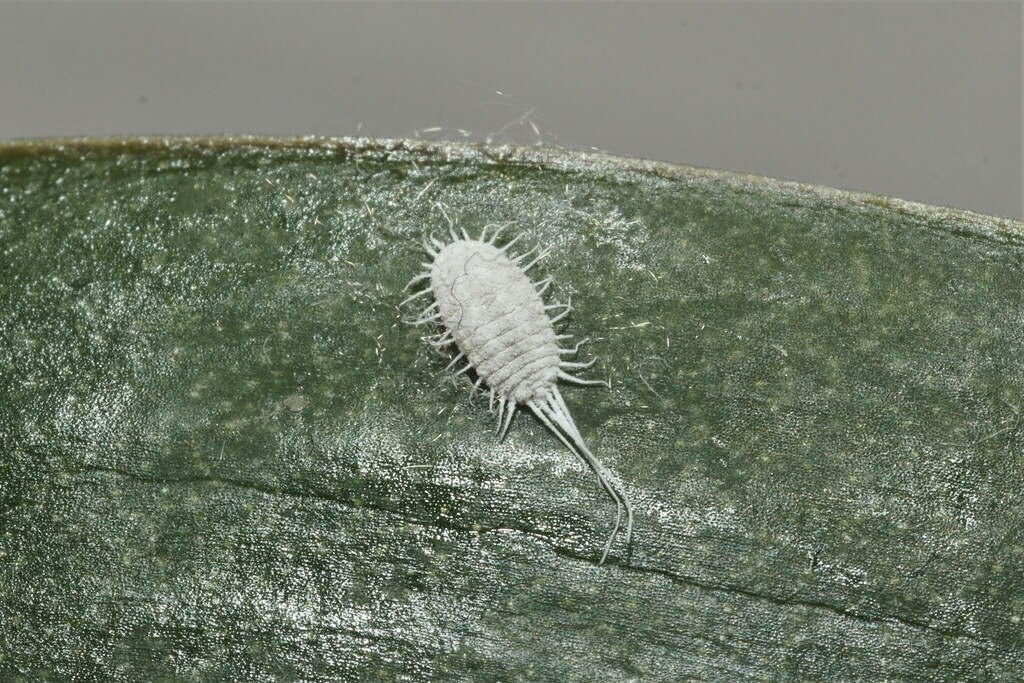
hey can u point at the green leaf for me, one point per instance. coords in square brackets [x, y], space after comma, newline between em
[226, 457]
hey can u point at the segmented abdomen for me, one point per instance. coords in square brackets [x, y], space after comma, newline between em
[497, 318]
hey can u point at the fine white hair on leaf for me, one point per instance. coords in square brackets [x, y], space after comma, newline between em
[495, 317]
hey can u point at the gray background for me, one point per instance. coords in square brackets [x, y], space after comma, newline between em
[917, 100]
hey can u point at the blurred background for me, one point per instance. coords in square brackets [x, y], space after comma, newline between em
[914, 99]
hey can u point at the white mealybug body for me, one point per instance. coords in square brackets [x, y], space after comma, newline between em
[498, 321]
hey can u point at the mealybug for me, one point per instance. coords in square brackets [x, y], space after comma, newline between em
[498, 321]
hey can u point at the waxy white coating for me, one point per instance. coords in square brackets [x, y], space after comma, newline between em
[496, 317]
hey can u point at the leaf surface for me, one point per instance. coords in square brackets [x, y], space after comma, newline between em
[226, 457]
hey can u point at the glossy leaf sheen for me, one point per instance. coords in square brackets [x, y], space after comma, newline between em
[225, 456]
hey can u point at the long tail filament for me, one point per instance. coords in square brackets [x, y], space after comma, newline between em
[555, 415]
